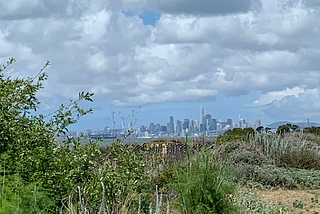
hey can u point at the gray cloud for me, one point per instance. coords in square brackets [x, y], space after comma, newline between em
[204, 7]
[193, 53]
[312, 3]
[22, 9]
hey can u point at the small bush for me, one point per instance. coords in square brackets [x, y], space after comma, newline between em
[301, 159]
[19, 198]
[235, 135]
[248, 154]
[203, 187]
[265, 177]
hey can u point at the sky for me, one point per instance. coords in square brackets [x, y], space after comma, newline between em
[146, 60]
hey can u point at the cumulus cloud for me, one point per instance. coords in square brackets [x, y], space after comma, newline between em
[279, 95]
[296, 108]
[196, 50]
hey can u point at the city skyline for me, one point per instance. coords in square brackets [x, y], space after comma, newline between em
[205, 124]
[138, 119]
[173, 123]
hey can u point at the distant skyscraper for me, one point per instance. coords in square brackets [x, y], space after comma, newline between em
[192, 125]
[203, 128]
[207, 120]
[186, 124]
[171, 126]
[229, 123]
[242, 123]
[213, 125]
[201, 117]
[163, 128]
[179, 127]
[152, 128]
[158, 127]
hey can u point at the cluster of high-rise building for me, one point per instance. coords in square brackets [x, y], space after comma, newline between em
[204, 125]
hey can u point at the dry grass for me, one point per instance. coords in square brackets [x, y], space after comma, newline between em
[309, 199]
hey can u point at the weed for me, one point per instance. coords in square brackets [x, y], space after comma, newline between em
[203, 187]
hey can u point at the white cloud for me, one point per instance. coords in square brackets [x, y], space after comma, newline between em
[296, 108]
[193, 52]
[279, 95]
[93, 27]
[97, 62]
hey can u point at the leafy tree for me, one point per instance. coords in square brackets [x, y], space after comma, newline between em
[27, 142]
[30, 153]
[262, 129]
[287, 128]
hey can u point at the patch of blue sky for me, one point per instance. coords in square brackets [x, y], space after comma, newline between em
[148, 17]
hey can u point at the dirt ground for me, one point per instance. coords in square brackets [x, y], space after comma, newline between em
[310, 199]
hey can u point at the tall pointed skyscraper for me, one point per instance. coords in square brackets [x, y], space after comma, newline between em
[201, 116]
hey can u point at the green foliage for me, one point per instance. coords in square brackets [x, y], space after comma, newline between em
[121, 170]
[293, 150]
[69, 168]
[162, 175]
[287, 128]
[124, 172]
[301, 159]
[236, 134]
[203, 187]
[312, 130]
[247, 154]
[27, 141]
[16, 197]
[27, 145]
[271, 161]
[263, 176]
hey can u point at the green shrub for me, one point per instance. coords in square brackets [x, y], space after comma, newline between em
[301, 159]
[248, 154]
[17, 197]
[235, 135]
[203, 187]
[27, 145]
[287, 128]
[274, 177]
[312, 130]
[122, 172]
[263, 177]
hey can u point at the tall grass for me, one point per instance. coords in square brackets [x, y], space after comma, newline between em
[202, 186]
[292, 150]
[19, 198]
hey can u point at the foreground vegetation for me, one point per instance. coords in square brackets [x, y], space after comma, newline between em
[40, 175]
